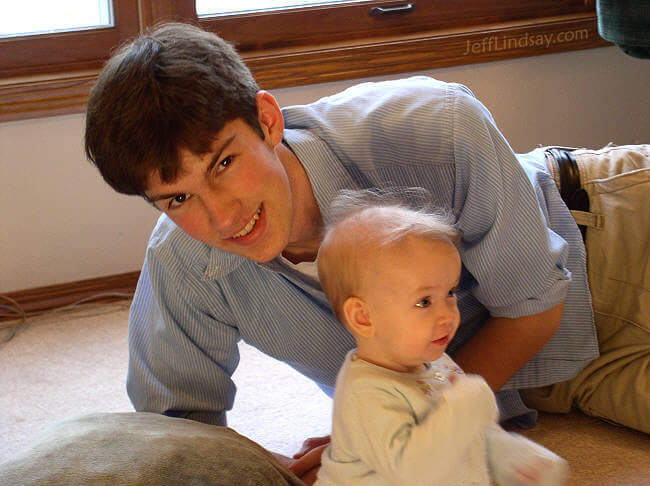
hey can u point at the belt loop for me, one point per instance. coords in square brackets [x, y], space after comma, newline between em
[583, 218]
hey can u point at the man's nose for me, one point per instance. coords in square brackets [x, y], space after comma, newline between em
[222, 211]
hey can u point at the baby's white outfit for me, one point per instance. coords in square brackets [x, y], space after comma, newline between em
[401, 429]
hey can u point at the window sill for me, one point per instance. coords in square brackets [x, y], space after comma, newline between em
[34, 98]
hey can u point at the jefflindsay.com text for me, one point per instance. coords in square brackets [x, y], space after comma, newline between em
[495, 43]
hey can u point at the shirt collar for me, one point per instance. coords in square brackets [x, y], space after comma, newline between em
[327, 176]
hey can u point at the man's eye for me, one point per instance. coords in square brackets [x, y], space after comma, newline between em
[426, 302]
[224, 163]
[178, 200]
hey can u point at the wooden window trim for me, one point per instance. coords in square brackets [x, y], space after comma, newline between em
[281, 67]
[349, 22]
[68, 51]
[424, 51]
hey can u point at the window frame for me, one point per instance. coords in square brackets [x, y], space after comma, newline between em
[73, 50]
[301, 59]
[322, 24]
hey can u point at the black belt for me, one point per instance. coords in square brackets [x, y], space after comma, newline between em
[573, 195]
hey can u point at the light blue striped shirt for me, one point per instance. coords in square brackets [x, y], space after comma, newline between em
[522, 252]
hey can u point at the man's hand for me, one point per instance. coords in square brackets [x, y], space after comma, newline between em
[306, 462]
[310, 444]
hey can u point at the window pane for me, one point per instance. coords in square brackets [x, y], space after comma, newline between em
[29, 17]
[205, 8]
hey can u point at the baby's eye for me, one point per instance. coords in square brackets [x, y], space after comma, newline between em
[453, 292]
[426, 302]
[177, 201]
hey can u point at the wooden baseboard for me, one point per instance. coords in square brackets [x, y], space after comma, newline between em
[53, 296]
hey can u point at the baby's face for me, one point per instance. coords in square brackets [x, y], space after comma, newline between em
[412, 302]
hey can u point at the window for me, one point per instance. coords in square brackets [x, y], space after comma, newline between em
[315, 23]
[326, 41]
[68, 47]
[294, 42]
[42, 17]
[206, 8]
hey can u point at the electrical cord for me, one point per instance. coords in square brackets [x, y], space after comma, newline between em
[13, 318]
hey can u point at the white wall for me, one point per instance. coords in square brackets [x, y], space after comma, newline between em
[59, 222]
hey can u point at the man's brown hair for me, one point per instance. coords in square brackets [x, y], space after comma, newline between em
[170, 89]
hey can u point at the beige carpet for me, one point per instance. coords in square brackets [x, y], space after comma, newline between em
[67, 365]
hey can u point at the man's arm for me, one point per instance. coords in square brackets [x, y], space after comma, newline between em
[517, 262]
[503, 345]
[180, 356]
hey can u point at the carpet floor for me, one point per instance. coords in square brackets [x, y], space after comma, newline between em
[64, 365]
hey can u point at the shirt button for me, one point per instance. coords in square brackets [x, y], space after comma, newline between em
[439, 376]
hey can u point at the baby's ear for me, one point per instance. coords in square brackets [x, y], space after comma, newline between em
[358, 318]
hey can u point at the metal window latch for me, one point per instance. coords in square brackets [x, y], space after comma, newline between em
[397, 9]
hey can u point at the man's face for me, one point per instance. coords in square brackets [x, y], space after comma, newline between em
[237, 197]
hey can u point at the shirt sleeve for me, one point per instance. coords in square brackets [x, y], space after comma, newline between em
[181, 357]
[390, 442]
[518, 263]
[423, 132]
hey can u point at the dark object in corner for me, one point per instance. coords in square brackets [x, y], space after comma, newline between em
[626, 23]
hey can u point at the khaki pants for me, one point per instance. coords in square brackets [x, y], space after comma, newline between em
[615, 386]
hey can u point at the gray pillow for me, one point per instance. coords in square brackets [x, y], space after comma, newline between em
[143, 449]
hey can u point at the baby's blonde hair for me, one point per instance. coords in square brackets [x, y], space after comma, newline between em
[364, 223]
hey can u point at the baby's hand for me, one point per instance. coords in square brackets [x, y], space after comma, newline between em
[472, 394]
[517, 461]
[452, 378]
[534, 472]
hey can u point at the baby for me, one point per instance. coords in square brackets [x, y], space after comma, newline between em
[404, 412]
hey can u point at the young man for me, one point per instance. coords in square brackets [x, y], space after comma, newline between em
[177, 118]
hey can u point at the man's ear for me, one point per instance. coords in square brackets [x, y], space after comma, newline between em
[270, 117]
[358, 317]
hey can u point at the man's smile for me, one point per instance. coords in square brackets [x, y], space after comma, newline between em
[249, 226]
